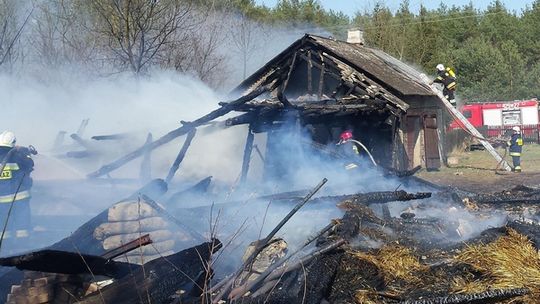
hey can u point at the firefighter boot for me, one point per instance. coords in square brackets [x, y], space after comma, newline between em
[517, 169]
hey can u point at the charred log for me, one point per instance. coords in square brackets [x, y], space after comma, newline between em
[180, 156]
[490, 296]
[67, 263]
[383, 197]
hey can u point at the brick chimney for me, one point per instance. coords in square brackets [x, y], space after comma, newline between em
[355, 36]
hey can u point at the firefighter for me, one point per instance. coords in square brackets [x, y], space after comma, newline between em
[515, 145]
[447, 78]
[349, 149]
[15, 184]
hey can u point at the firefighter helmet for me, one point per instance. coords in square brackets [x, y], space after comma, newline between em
[440, 67]
[516, 129]
[7, 139]
[345, 135]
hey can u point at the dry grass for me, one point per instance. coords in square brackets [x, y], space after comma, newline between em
[509, 262]
[395, 262]
[364, 297]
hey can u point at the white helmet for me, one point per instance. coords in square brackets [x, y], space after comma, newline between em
[516, 129]
[440, 67]
[7, 139]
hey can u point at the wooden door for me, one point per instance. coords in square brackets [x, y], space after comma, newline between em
[413, 131]
[431, 143]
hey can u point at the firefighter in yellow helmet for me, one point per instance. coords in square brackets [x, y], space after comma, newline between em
[515, 145]
[15, 183]
[447, 78]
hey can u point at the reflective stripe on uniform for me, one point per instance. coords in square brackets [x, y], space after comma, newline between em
[515, 153]
[6, 172]
[9, 198]
[519, 141]
[451, 85]
[351, 166]
[11, 166]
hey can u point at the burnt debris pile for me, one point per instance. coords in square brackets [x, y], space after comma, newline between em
[371, 254]
[362, 239]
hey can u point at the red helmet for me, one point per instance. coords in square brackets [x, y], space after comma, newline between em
[346, 135]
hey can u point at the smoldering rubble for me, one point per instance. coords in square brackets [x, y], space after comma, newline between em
[316, 227]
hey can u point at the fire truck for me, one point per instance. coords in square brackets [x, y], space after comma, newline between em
[494, 118]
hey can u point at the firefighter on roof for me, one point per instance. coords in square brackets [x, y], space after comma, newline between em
[515, 145]
[15, 183]
[447, 78]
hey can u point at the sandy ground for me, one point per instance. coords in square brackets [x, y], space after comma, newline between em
[475, 171]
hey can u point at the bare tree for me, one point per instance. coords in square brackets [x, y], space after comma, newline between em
[137, 30]
[11, 28]
[61, 37]
[245, 38]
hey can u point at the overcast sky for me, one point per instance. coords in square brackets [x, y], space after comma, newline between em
[351, 6]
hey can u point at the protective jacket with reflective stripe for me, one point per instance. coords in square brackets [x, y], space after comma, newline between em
[446, 79]
[515, 144]
[16, 172]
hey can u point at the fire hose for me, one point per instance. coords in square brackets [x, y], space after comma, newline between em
[365, 149]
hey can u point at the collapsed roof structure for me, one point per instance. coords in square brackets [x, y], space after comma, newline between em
[328, 85]
[325, 86]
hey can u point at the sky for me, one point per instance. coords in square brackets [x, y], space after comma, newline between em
[351, 6]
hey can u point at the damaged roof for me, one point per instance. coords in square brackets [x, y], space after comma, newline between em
[387, 71]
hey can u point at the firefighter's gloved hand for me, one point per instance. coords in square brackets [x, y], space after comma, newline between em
[130, 219]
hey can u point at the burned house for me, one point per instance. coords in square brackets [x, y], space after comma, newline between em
[324, 86]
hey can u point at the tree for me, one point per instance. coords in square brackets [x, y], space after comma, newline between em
[136, 30]
[10, 31]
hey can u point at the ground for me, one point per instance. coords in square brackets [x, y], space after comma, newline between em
[476, 172]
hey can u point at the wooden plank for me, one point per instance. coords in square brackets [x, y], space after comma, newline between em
[180, 156]
[247, 155]
[309, 74]
[431, 147]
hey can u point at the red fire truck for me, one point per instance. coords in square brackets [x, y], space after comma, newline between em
[494, 118]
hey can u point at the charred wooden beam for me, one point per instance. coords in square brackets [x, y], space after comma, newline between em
[82, 127]
[180, 131]
[321, 78]
[309, 74]
[286, 103]
[291, 68]
[388, 196]
[503, 198]
[180, 156]
[142, 241]
[241, 119]
[247, 155]
[64, 262]
[489, 296]
[81, 141]
[79, 154]
[110, 137]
